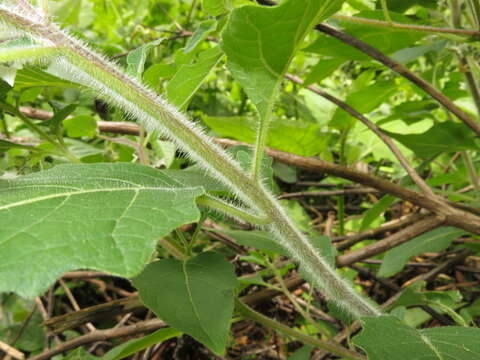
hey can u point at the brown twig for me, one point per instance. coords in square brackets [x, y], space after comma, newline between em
[407, 27]
[344, 242]
[390, 242]
[328, 193]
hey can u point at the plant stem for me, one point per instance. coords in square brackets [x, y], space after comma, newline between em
[406, 27]
[325, 345]
[386, 14]
[231, 210]
[294, 302]
[472, 172]
[260, 144]
[83, 65]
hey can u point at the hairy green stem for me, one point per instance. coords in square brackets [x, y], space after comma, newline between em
[232, 210]
[82, 65]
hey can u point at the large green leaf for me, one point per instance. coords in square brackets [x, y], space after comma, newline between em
[261, 42]
[194, 296]
[444, 137]
[298, 137]
[432, 241]
[386, 337]
[107, 217]
[188, 78]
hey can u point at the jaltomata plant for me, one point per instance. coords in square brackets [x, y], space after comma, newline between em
[112, 216]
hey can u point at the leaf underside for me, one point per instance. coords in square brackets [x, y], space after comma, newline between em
[106, 217]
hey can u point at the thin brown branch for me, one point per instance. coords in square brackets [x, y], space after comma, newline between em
[432, 274]
[102, 335]
[407, 27]
[11, 351]
[359, 191]
[390, 242]
[401, 70]
[349, 241]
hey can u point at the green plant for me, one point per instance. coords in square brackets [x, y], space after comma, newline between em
[52, 204]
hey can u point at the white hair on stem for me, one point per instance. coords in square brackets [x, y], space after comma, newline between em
[83, 65]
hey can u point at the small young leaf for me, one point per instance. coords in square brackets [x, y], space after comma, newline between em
[216, 7]
[81, 125]
[136, 58]
[322, 69]
[190, 77]
[435, 240]
[386, 337]
[135, 345]
[107, 217]
[194, 296]
[203, 30]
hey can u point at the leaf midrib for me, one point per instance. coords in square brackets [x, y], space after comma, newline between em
[89, 191]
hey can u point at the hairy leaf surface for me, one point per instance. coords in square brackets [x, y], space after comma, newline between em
[106, 217]
[260, 44]
[386, 337]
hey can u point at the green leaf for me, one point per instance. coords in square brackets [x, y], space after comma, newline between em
[257, 239]
[432, 241]
[24, 49]
[79, 354]
[107, 217]
[81, 125]
[216, 7]
[410, 54]
[411, 111]
[323, 69]
[31, 76]
[133, 346]
[376, 210]
[204, 29]
[448, 136]
[385, 39]
[402, 5]
[386, 337]
[155, 73]
[261, 42]
[195, 296]
[298, 137]
[6, 145]
[136, 58]
[363, 101]
[189, 78]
